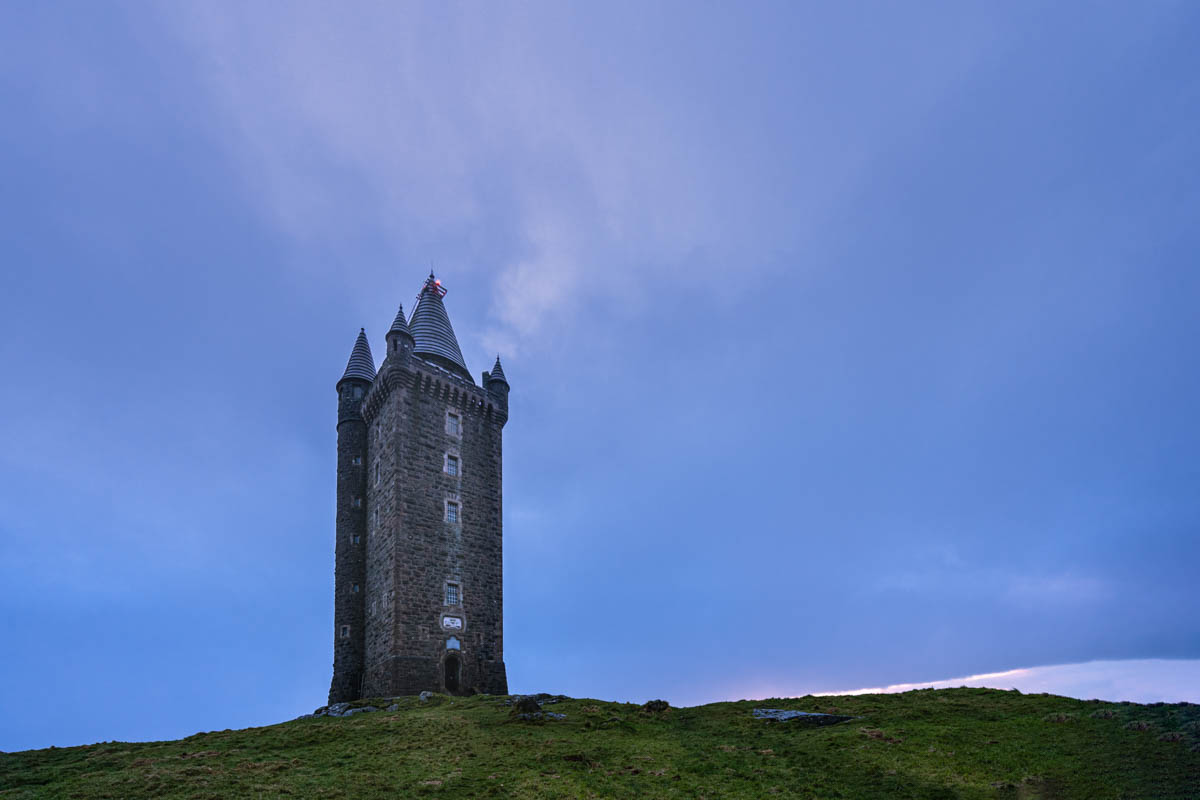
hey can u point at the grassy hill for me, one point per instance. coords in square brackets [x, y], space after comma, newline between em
[969, 743]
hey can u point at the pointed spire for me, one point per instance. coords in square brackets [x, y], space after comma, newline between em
[361, 364]
[399, 325]
[431, 330]
[497, 373]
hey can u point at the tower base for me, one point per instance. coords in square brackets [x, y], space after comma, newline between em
[453, 673]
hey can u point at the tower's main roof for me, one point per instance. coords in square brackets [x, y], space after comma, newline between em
[433, 336]
[361, 364]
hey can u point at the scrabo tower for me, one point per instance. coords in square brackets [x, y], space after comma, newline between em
[418, 567]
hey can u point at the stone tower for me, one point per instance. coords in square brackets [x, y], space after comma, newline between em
[418, 576]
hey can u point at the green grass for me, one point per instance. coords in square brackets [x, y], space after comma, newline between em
[969, 743]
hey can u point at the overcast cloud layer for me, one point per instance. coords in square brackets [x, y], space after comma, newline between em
[850, 346]
[1139, 681]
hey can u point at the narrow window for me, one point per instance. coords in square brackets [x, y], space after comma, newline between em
[452, 465]
[452, 595]
[453, 644]
[453, 424]
[345, 632]
[354, 588]
[451, 511]
[358, 502]
[355, 539]
[356, 461]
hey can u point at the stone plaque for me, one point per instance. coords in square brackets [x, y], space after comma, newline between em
[452, 623]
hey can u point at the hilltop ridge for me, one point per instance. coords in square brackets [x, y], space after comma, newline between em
[944, 743]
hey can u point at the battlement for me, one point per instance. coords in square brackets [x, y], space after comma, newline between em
[420, 375]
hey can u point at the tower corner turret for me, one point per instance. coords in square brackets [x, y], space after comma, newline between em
[357, 379]
[496, 385]
[400, 342]
[349, 574]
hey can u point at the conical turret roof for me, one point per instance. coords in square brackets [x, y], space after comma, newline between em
[497, 373]
[399, 325]
[431, 329]
[361, 364]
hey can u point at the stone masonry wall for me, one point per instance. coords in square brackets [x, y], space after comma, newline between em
[349, 554]
[412, 551]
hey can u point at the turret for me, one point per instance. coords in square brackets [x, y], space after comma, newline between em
[497, 386]
[400, 340]
[350, 537]
[359, 374]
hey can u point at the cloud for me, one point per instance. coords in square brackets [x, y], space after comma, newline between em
[434, 126]
[1024, 588]
[561, 155]
[1057, 589]
[1141, 681]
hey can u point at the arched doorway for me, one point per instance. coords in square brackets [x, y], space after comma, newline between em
[450, 673]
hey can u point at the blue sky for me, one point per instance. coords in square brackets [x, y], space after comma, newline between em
[851, 344]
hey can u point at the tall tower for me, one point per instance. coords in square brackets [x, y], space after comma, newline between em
[425, 574]
[350, 565]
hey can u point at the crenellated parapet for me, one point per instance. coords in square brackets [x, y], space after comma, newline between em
[422, 376]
